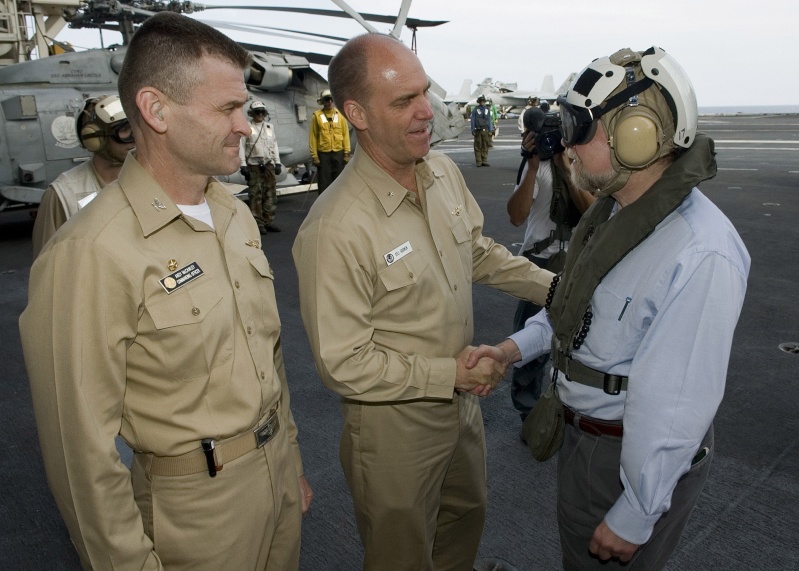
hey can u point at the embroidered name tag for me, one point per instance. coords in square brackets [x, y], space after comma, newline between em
[398, 253]
[181, 277]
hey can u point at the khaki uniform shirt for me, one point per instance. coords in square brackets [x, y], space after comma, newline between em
[61, 201]
[109, 351]
[386, 285]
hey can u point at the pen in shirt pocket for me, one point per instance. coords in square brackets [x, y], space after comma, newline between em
[623, 309]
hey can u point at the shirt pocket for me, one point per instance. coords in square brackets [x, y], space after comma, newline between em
[461, 229]
[614, 324]
[265, 278]
[409, 293]
[186, 334]
[403, 272]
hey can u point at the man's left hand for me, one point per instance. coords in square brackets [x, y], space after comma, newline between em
[306, 493]
[346, 158]
[605, 544]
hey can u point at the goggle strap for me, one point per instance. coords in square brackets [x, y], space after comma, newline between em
[622, 97]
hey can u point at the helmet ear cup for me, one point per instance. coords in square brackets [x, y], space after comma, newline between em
[637, 137]
[92, 138]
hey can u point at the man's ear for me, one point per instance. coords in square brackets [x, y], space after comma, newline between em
[152, 108]
[355, 114]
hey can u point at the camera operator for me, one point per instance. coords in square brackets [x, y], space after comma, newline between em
[545, 198]
[531, 102]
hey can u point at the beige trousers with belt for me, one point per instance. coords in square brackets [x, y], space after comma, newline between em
[246, 518]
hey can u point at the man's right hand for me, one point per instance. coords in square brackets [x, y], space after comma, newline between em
[484, 372]
[245, 172]
[316, 162]
[504, 353]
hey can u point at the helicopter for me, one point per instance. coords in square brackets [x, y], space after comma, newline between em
[40, 98]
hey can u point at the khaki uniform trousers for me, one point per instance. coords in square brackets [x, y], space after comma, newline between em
[588, 486]
[246, 518]
[417, 473]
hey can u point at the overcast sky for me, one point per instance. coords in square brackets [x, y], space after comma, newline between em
[736, 52]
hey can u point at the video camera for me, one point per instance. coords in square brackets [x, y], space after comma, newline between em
[546, 127]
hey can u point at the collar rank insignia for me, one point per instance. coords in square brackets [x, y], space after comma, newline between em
[158, 205]
[181, 277]
[253, 244]
[457, 211]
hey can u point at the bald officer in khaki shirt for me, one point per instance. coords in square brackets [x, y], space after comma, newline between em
[386, 259]
[152, 315]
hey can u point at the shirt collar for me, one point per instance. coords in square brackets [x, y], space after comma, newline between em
[151, 204]
[388, 191]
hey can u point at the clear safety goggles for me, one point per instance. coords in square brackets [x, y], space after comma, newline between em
[578, 124]
[122, 133]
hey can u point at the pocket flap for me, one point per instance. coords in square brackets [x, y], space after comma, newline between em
[403, 272]
[261, 265]
[184, 307]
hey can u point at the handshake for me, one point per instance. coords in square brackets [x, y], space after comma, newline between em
[480, 369]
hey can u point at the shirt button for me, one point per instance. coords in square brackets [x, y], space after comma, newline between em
[263, 376]
[195, 311]
[455, 287]
[236, 283]
[441, 253]
[410, 275]
[249, 330]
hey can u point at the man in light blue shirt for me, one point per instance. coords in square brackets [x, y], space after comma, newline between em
[641, 320]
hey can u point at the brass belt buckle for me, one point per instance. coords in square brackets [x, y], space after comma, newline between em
[267, 430]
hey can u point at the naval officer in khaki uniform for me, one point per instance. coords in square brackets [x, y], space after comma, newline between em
[152, 315]
[386, 259]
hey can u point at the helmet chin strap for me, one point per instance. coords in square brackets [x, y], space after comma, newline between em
[617, 183]
[107, 156]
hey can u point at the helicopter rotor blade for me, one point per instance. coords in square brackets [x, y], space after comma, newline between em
[355, 16]
[410, 22]
[272, 31]
[401, 17]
